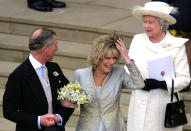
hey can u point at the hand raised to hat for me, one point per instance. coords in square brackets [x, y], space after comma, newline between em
[122, 49]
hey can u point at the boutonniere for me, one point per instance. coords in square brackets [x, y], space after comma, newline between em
[55, 73]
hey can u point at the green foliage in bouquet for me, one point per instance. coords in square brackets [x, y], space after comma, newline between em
[74, 93]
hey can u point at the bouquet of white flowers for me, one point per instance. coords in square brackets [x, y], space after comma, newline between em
[73, 92]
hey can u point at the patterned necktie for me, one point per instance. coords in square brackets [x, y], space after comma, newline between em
[45, 73]
[40, 71]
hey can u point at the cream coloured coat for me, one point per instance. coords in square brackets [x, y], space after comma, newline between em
[107, 106]
[147, 109]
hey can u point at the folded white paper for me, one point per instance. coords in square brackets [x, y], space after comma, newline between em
[161, 68]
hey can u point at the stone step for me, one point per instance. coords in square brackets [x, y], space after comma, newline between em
[79, 22]
[6, 125]
[6, 68]
[186, 96]
[67, 128]
[71, 55]
[187, 127]
[1, 100]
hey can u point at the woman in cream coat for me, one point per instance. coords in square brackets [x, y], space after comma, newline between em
[147, 106]
[104, 82]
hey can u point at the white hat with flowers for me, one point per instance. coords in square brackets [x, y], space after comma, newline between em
[155, 8]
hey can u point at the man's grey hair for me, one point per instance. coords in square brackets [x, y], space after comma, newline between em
[45, 37]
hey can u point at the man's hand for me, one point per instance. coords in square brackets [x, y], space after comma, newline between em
[56, 119]
[67, 104]
[47, 120]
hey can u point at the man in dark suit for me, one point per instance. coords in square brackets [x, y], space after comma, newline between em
[30, 98]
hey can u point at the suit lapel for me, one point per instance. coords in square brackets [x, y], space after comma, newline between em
[34, 82]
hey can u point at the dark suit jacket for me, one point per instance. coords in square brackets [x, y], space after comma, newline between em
[24, 98]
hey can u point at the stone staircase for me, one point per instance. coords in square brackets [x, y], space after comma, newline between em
[76, 26]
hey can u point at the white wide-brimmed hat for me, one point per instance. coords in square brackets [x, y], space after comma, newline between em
[158, 9]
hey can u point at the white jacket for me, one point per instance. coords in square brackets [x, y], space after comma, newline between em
[147, 109]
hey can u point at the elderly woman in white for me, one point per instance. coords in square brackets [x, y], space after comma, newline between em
[147, 106]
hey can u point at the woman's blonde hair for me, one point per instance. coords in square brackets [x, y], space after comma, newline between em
[101, 46]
